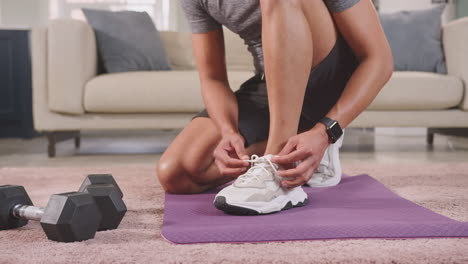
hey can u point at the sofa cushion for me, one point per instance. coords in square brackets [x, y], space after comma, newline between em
[70, 61]
[150, 92]
[179, 91]
[415, 38]
[419, 91]
[178, 46]
[238, 57]
[127, 41]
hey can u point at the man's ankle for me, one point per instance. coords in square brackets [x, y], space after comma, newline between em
[274, 149]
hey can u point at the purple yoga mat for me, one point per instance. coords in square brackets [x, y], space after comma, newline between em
[359, 207]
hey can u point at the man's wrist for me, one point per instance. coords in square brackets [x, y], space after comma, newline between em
[228, 130]
[322, 130]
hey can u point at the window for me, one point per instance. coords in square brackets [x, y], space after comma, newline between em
[159, 10]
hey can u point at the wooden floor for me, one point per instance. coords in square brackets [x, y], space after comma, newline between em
[145, 147]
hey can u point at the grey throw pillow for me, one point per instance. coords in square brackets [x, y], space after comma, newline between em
[127, 41]
[415, 38]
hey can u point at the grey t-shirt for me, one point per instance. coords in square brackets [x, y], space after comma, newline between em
[242, 17]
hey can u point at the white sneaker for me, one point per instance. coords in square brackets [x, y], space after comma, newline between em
[329, 171]
[259, 191]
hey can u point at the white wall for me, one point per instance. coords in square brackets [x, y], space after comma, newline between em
[23, 12]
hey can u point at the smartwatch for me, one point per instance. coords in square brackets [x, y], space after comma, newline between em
[334, 130]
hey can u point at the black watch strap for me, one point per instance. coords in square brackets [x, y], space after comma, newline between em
[334, 129]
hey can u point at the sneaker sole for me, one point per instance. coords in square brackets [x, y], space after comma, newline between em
[221, 204]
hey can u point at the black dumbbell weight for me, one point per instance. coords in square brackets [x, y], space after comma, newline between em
[68, 217]
[108, 197]
[94, 179]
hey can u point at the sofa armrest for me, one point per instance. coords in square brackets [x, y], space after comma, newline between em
[455, 38]
[72, 61]
[39, 75]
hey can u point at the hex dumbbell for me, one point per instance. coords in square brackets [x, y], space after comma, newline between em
[108, 197]
[68, 217]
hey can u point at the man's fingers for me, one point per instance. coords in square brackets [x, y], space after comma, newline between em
[240, 150]
[298, 171]
[220, 154]
[223, 157]
[228, 147]
[292, 157]
[236, 163]
[290, 145]
[298, 181]
[291, 172]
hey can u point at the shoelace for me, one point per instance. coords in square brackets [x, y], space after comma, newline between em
[257, 163]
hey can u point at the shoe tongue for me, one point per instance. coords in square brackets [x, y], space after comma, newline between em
[258, 170]
[264, 162]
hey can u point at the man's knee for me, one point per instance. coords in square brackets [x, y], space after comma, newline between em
[269, 6]
[172, 177]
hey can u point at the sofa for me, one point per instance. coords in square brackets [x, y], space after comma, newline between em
[70, 96]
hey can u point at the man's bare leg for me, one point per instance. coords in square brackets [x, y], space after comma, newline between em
[296, 35]
[187, 166]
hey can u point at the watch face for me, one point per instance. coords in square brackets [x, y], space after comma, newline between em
[335, 131]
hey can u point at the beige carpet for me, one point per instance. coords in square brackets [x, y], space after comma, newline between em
[440, 187]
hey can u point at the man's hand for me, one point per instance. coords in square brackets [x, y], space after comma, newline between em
[230, 155]
[308, 148]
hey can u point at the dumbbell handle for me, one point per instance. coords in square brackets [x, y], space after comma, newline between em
[28, 212]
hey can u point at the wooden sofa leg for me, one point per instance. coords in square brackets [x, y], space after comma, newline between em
[55, 137]
[51, 145]
[430, 136]
[78, 140]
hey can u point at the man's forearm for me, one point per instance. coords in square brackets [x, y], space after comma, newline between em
[221, 105]
[362, 88]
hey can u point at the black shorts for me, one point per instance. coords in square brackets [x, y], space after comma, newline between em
[325, 85]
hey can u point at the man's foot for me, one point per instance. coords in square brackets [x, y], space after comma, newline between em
[329, 171]
[258, 191]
